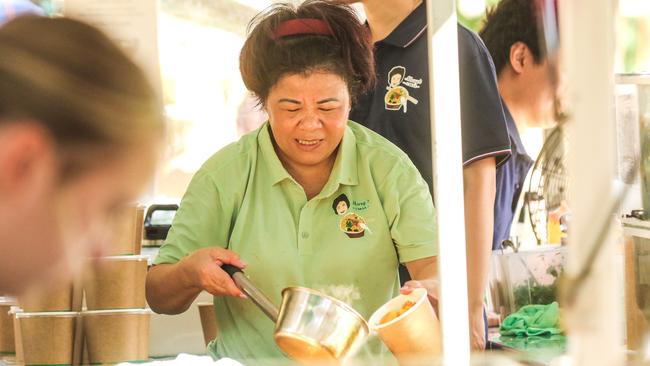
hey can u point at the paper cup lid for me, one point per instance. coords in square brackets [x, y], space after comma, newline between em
[6, 300]
[117, 312]
[48, 314]
[137, 258]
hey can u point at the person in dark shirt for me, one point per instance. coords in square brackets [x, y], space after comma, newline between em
[529, 90]
[398, 108]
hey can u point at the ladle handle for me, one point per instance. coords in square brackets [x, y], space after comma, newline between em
[252, 292]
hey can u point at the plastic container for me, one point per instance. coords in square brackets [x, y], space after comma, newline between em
[114, 336]
[7, 341]
[413, 335]
[524, 278]
[116, 283]
[47, 337]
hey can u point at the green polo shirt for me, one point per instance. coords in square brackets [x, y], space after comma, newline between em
[244, 200]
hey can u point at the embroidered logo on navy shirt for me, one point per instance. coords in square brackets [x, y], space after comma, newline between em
[397, 96]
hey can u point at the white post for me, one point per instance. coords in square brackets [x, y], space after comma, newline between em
[448, 185]
[594, 321]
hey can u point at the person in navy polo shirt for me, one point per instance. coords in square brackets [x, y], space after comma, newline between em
[529, 90]
[398, 108]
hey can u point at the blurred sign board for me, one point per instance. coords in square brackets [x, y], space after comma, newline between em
[130, 23]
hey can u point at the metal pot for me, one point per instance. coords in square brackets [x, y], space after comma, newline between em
[310, 326]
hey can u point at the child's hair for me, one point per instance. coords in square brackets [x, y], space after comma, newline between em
[74, 81]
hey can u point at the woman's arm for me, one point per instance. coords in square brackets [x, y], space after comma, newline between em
[171, 288]
[424, 274]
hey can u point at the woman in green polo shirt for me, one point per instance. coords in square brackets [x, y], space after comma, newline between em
[309, 199]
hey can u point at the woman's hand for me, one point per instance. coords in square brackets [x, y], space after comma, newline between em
[430, 285]
[476, 322]
[202, 269]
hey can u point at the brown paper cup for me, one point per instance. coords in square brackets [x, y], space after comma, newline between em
[116, 283]
[7, 341]
[47, 337]
[43, 300]
[415, 334]
[114, 336]
[127, 240]
[18, 339]
[208, 321]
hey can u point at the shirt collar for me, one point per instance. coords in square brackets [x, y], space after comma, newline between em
[276, 170]
[410, 29]
[343, 172]
[513, 132]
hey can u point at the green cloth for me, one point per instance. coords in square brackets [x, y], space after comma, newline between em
[536, 350]
[533, 320]
[556, 342]
[243, 199]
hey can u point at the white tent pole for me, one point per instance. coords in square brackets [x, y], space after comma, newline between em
[448, 178]
[594, 321]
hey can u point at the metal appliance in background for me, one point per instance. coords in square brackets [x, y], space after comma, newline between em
[157, 223]
[547, 189]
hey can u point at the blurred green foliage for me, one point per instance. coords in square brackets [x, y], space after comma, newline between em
[633, 39]
[473, 23]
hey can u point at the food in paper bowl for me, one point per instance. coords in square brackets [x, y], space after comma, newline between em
[394, 314]
[353, 225]
[408, 326]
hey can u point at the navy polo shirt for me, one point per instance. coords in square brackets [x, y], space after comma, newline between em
[510, 182]
[398, 107]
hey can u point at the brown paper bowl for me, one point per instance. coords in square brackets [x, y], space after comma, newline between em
[415, 334]
[43, 300]
[47, 337]
[127, 239]
[116, 283]
[208, 321]
[7, 341]
[114, 336]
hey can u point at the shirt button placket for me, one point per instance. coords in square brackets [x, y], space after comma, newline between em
[304, 230]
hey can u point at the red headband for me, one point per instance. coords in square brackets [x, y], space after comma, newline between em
[301, 26]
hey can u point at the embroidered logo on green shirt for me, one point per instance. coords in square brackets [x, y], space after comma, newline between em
[353, 225]
[360, 205]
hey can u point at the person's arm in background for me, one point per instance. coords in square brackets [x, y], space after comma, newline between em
[479, 180]
[486, 145]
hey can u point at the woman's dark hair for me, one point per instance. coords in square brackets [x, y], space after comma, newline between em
[397, 70]
[511, 21]
[74, 81]
[341, 198]
[347, 52]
